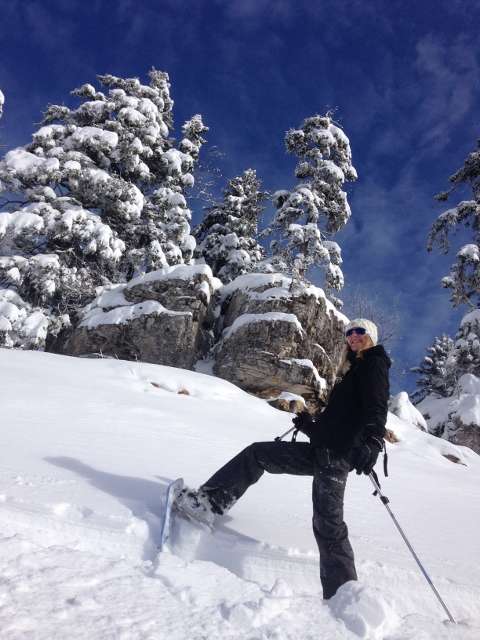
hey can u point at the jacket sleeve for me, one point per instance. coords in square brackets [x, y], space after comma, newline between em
[374, 394]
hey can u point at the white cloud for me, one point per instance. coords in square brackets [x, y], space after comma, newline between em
[448, 85]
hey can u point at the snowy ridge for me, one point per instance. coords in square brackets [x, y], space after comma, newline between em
[81, 496]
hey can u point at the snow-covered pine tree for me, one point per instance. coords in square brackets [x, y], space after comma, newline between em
[2, 102]
[226, 238]
[307, 216]
[438, 370]
[464, 277]
[467, 345]
[96, 197]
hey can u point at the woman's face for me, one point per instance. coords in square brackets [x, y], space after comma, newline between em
[357, 342]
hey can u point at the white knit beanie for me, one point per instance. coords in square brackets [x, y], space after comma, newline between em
[368, 325]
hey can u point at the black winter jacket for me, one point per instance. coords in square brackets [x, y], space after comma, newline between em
[357, 406]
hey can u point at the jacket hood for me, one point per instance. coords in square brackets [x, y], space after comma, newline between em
[378, 352]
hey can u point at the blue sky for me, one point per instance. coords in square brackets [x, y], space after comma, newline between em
[404, 78]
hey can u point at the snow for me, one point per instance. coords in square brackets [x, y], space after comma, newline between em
[97, 176]
[175, 160]
[36, 326]
[111, 296]
[328, 166]
[205, 289]
[468, 383]
[254, 281]
[131, 117]
[18, 222]
[24, 162]
[31, 324]
[188, 244]
[401, 406]
[133, 206]
[320, 294]
[270, 316]
[471, 318]
[95, 108]
[323, 135]
[464, 405]
[339, 134]
[91, 445]
[125, 314]
[176, 272]
[468, 409]
[172, 198]
[467, 403]
[94, 134]
[272, 293]
[304, 362]
[44, 134]
[47, 260]
[279, 287]
[289, 397]
[8, 312]
[470, 251]
[364, 611]
[148, 108]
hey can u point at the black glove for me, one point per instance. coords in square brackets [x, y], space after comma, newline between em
[364, 456]
[304, 422]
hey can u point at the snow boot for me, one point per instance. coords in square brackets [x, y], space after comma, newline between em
[195, 505]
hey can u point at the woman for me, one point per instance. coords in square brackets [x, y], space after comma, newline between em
[346, 435]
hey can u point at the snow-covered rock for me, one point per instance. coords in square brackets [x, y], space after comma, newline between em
[274, 338]
[265, 338]
[456, 418]
[401, 406]
[160, 317]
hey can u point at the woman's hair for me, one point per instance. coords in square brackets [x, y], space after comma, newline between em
[368, 345]
[344, 364]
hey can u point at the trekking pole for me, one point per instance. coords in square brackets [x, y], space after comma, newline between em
[278, 438]
[291, 406]
[385, 501]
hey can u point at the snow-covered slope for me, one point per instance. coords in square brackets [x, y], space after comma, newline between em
[87, 449]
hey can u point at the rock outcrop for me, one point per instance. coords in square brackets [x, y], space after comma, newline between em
[467, 435]
[275, 338]
[162, 317]
[268, 337]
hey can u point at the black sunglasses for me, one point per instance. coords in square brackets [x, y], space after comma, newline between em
[360, 331]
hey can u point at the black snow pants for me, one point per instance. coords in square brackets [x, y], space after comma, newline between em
[229, 483]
